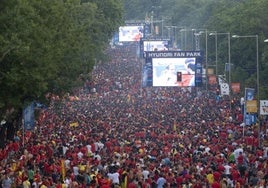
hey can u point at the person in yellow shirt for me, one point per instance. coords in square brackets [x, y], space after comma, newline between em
[210, 177]
[26, 183]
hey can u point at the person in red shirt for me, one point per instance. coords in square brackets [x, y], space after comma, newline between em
[216, 184]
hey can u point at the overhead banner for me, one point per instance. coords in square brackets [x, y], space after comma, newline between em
[263, 107]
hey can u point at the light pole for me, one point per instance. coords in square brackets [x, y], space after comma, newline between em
[229, 53]
[197, 33]
[258, 77]
[216, 50]
[174, 33]
[185, 37]
[229, 60]
[201, 31]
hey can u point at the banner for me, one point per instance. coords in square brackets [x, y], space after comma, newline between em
[28, 117]
[263, 107]
[249, 94]
[250, 119]
[210, 71]
[212, 79]
[225, 90]
[251, 106]
[235, 87]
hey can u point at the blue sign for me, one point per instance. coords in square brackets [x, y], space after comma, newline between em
[250, 119]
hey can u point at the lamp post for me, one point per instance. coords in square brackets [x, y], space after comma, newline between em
[258, 78]
[185, 37]
[174, 33]
[216, 50]
[197, 33]
[229, 58]
[201, 31]
[229, 53]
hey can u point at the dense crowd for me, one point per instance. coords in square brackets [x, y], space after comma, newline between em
[115, 133]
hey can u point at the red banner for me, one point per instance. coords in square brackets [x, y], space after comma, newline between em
[235, 87]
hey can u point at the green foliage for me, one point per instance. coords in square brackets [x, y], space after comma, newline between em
[47, 45]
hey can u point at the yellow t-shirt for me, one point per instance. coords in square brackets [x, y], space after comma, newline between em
[210, 178]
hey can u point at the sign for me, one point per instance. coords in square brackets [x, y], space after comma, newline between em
[212, 79]
[235, 87]
[251, 106]
[250, 119]
[225, 89]
[263, 107]
[210, 71]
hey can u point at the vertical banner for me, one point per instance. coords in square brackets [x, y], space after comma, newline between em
[235, 87]
[249, 96]
[250, 119]
[28, 117]
[63, 170]
[263, 107]
[212, 79]
[225, 90]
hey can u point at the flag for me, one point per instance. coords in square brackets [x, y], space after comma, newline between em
[63, 171]
[128, 98]
[28, 117]
[74, 124]
[174, 125]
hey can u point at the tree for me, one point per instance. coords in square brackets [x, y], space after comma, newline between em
[47, 45]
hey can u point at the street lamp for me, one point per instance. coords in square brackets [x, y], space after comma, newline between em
[174, 33]
[201, 31]
[258, 78]
[197, 33]
[229, 53]
[185, 37]
[216, 50]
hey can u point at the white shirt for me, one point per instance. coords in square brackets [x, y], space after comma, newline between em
[145, 174]
[227, 169]
[76, 170]
[114, 177]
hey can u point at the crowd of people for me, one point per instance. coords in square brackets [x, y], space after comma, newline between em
[115, 133]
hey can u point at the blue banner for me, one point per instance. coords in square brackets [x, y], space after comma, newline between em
[250, 119]
[249, 94]
[28, 117]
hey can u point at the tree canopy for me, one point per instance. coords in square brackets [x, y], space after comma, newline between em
[47, 46]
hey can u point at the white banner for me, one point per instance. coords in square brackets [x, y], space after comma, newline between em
[263, 107]
[225, 90]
